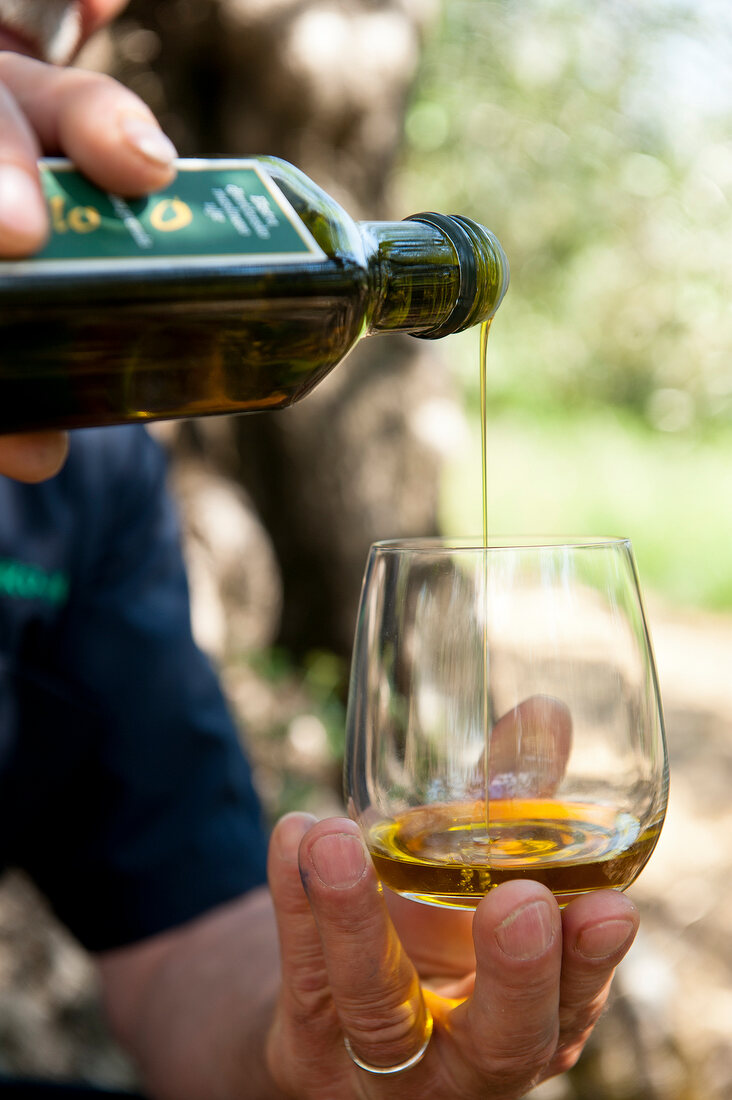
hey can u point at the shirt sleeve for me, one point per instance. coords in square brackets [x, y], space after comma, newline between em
[156, 820]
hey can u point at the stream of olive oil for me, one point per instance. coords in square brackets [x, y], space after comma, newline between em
[452, 854]
[484, 330]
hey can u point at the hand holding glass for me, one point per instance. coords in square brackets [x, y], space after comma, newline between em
[504, 719]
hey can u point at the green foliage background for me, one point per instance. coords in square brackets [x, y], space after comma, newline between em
[595, 141]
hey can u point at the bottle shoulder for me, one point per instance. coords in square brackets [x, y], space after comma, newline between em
[337, 233]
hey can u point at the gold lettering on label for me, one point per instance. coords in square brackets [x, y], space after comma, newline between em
[170, 214]
[84, 219]
[80, 219]
[56, 204]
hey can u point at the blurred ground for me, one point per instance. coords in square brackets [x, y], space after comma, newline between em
[668, 1033]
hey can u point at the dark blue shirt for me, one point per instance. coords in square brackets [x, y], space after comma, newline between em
[123, 790]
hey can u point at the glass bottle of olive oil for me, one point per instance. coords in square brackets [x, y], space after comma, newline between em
[235, 289]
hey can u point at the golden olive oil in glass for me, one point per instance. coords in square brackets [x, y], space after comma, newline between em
[443, 855]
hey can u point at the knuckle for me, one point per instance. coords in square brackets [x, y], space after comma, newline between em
[581, 1019]
[307, 1001]
[519, 996]
[85, 89]
[385, 1035]
[351, 934]
[385, 1023]
[352, 922]
[91, 93]
[526, 1061]
[85, 79]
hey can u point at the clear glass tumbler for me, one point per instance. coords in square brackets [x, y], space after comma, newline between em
[504, 718]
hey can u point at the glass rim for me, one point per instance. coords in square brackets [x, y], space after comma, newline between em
[436, 543]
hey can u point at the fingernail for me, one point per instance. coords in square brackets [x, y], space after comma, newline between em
[527, 932]
[604, 939]
[290, 831]
[147, 138]
[22, 210]
[339, 860]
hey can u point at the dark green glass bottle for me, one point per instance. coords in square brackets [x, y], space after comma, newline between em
[236, 289]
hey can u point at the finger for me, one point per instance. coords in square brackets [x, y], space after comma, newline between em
[33, 456]
[529, 748]
[598, 931]
[508, 1029]
[103, 127]
[306, 1029]
[374, 984]
[23, 218]
[96, 13]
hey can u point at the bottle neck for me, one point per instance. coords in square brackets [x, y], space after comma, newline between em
[433, 274]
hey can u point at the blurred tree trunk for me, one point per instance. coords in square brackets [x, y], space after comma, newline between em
[324, 85]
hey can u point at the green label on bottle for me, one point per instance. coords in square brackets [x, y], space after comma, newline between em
[212, 210]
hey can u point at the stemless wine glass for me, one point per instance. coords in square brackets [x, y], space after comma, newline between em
[504, 718]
